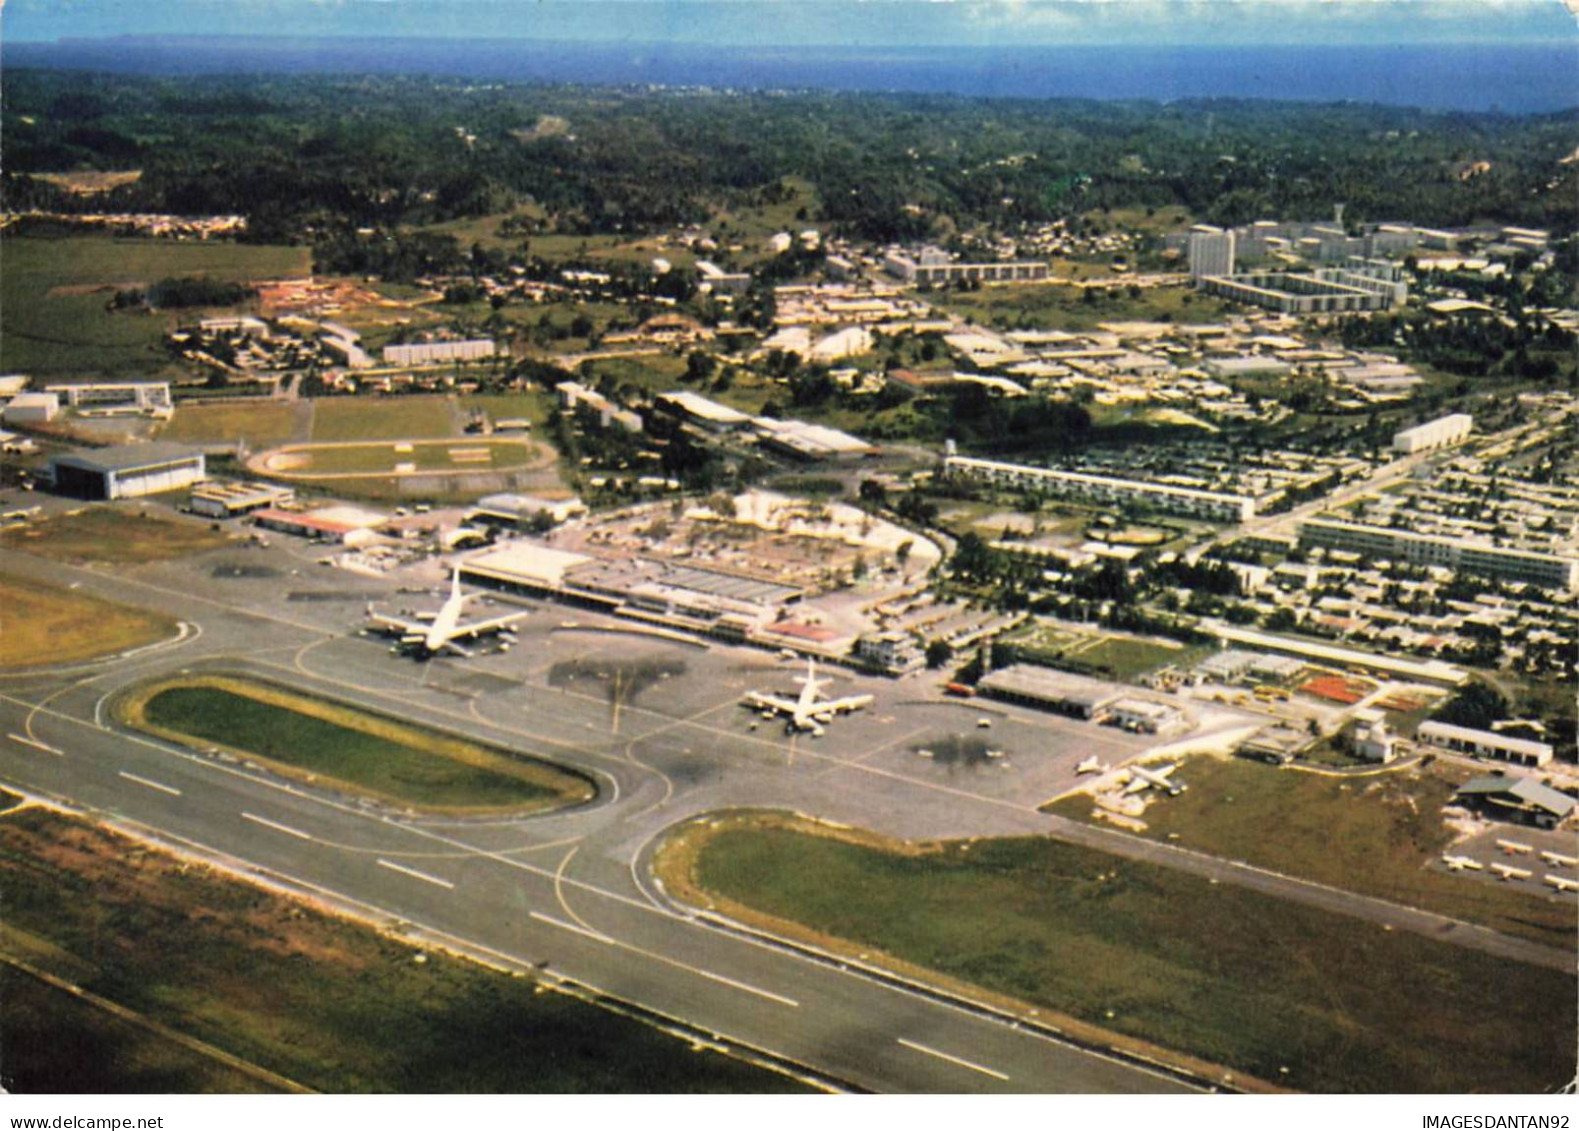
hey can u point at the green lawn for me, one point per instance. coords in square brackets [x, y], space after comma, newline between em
[1058, 307]
[1221, 972]
[1375, 835]
[260, 425]
[115, 533]
[530, 406]
[406, 763]
[55, 293]
[383, 418]
[330, 1004]
[1125, 657]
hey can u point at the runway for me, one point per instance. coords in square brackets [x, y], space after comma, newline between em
[568, 889]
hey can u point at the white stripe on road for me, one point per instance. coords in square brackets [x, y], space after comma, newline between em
[35, 744]
[413, 873]
[276, 826]
[564, 926]
[963, 1063]
[162, 788]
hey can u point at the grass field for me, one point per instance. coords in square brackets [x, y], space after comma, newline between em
[54, 293]
[1220, 972]
[385, 458]
[1374, 835]
[651, 373]
[383, 418]
[260, 425]
[533, 407]
[329, 1004]
[43, 624]
[1055, 307]
[1127, 657]
[363, 752]
[115, 533]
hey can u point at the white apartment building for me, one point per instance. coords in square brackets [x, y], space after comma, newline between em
[1439, 433]
[1450, 551]
[1105, 489]
[437, 353]
[1210, 252]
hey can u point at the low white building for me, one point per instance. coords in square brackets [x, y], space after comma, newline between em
[1484, 744]
[31, 408]
[1439, 433]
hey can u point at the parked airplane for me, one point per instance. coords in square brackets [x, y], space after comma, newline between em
[810, 710]
[432, 633]
[1515, 848]
[1508, 872]
[1560, 883]
[1558, 860]
[1141, 778]
[1090, 766]
[1459, 863]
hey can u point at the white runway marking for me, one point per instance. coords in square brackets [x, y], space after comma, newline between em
[571, 927]
[162, 788]
[413, 873]
[276, 826]
[35, 744]
[963, 1063]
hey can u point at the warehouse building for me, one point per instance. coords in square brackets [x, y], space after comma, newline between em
[803, 441]
[231, 500]
[932, 266]
[1439, 433]
[698, 410]
[31, 408]
[1516, 799]
[1104, 489]
[1549, 571]
[1064, 693]
[126, 472]
[1484, 744]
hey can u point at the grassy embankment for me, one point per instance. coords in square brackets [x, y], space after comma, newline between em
[175, 954]
[1277, 990]
[44, 624]
[1376, 835]
[300, 734]
[55, 294]
[114, 534]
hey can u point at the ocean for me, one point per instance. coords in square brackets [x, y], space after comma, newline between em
[1514, 79]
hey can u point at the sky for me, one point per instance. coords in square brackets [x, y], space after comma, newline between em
[869, 23]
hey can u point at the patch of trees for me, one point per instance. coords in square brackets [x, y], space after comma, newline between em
[173, 293]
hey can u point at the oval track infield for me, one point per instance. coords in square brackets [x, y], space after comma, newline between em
[345, 747]
[360, 458]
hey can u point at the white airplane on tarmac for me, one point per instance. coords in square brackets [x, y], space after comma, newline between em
[432, 633]
[1141, 778]
[1090, 766]
[810, 710]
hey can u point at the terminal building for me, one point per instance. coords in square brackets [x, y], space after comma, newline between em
[1484, 744]
[1549, 571]
[126, 472]
[1104, 489]
[1439, 433]
[150, 397]
[1048, 689]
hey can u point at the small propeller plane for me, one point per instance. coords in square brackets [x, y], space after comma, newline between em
[810, 710]
[431, 634]
[1141, 778]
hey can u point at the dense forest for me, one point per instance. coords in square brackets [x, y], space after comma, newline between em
[306, 155]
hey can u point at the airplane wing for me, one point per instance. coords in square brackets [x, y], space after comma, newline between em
[770, 702]
[1136, 785]
[451, 646]
[396, 625]
[843, 706]
[493, 624]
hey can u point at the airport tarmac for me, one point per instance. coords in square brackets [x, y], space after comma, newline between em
[660, 727]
